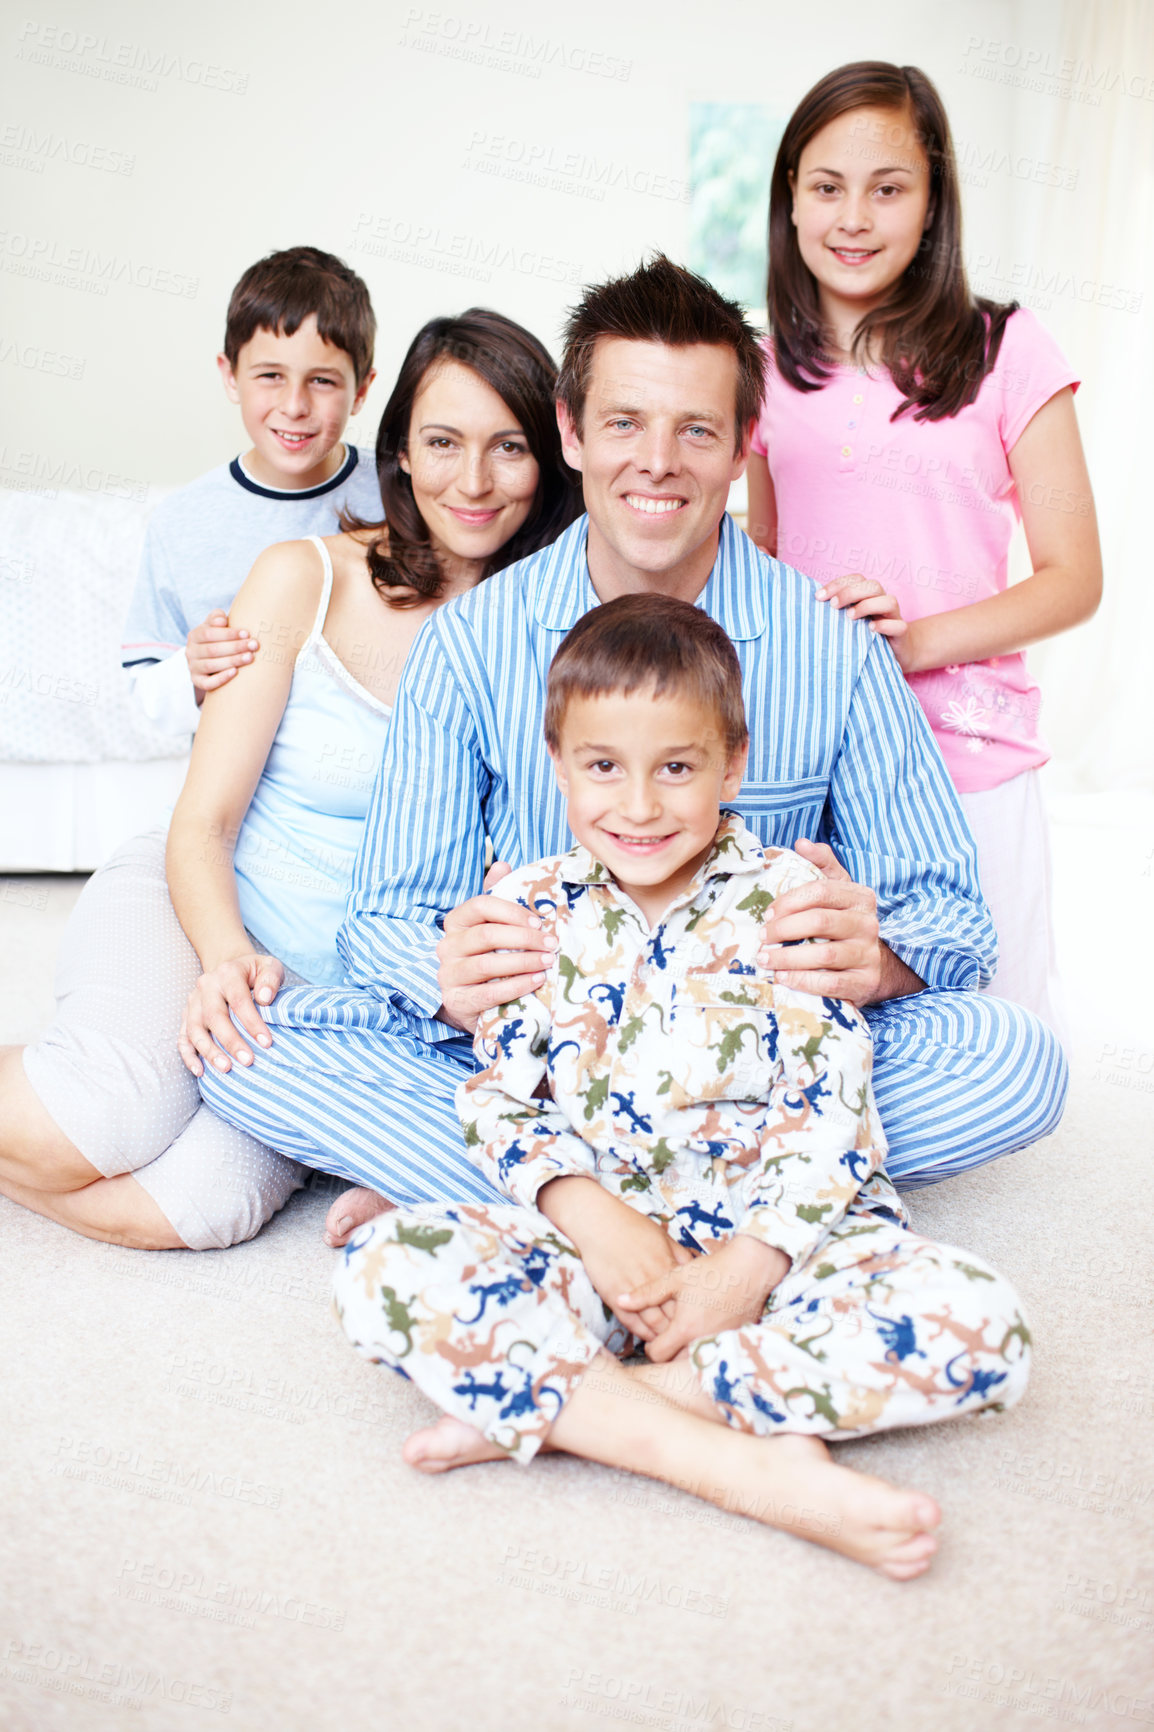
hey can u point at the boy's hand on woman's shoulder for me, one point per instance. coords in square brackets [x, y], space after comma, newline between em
[215, 651]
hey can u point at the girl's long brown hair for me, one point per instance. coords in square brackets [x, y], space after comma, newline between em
[937, 340]
[401, 559]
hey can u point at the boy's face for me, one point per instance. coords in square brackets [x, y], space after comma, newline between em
[295, 395]
[644, 778]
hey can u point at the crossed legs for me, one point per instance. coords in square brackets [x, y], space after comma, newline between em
[490, 1312]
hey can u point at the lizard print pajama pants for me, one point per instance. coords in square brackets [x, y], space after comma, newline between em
[488, 1309]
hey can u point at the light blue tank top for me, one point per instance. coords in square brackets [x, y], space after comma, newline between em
[296, 848]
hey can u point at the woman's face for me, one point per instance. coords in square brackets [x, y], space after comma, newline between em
[861, 202]
[474, 476]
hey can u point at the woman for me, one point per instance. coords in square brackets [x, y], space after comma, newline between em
[104, 1130]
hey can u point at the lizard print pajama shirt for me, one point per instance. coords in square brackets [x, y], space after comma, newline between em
[670, 1067]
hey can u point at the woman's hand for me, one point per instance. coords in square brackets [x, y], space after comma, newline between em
[234, 988]
[865, 598]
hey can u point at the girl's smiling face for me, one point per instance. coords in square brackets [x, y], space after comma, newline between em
[861, 203]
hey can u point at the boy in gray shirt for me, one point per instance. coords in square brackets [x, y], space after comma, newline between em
[297, 361]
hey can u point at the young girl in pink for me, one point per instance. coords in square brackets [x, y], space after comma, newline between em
[907, 425]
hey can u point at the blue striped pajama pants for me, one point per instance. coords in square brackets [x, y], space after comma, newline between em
[960, 1078]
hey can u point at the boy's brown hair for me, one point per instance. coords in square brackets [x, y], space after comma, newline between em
[281, 291]
[661, 302]
[648, 642]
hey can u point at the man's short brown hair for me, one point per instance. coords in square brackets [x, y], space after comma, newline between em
[651, 643]
[661, 302]
[281, 291]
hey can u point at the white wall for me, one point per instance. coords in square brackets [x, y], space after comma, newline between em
[229, 130]
[361, 141]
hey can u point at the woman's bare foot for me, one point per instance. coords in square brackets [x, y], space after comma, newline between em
[792, 1483]
[350, 1211]
[449, 1443]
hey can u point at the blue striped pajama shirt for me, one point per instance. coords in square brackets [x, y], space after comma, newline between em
[360, 1079]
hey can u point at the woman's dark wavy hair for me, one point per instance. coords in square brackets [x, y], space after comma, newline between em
[402, 562]
[937, 340]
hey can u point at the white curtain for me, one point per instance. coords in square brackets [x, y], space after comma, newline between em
[1093, 286]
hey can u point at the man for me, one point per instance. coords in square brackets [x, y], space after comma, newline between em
[660, 384]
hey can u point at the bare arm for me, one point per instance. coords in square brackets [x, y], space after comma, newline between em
[762, 521]
[238, 725]
[215, 650]
[1053, 484]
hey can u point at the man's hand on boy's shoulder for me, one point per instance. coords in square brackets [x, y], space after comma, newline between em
[833, 923]
[492, 952]
[215, 651]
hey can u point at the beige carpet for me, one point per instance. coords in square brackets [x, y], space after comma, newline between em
[208, 1521]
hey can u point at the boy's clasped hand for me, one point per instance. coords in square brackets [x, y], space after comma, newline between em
[660, 1290]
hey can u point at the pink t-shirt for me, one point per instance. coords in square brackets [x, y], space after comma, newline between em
[927, 508]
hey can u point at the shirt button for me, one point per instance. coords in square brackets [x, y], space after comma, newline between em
[846, 452]
[859, 398]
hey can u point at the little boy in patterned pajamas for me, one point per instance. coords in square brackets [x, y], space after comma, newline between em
[692, 1153]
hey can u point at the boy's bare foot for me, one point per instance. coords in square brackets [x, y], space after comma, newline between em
[449, 1443]
[792, 1483]
[350, 1211]
[850, 1512]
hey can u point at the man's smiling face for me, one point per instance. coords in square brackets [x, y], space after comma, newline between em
[657, 454]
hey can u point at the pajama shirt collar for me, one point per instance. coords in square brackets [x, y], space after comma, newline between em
[735, 850]
[564, 589]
